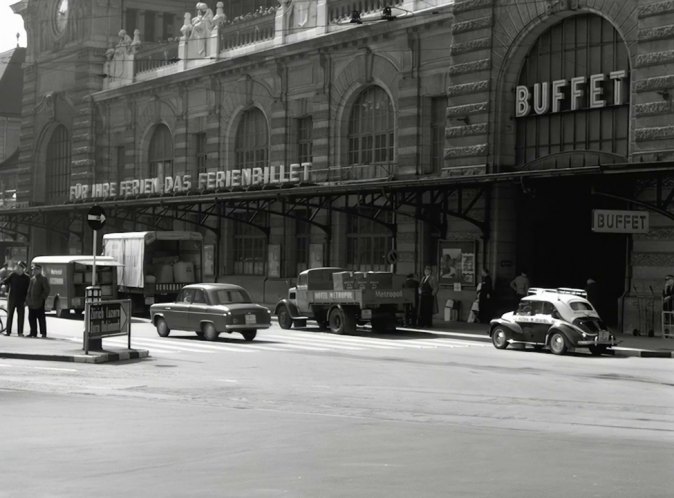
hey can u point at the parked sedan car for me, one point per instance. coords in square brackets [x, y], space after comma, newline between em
[209, 310]
[559, 319]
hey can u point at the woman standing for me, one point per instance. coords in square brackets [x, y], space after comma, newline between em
[484, 297]
[428, 290]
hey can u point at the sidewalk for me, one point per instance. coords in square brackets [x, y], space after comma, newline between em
[645, 347]
[51, 349]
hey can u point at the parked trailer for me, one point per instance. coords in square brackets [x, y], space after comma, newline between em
[157, 264]
[324, 295]
[69, 276]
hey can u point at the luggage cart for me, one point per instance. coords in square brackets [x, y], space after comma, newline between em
[668, 324]
[646, 313]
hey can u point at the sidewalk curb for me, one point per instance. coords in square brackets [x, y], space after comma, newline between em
[640, 353]
[104, 357]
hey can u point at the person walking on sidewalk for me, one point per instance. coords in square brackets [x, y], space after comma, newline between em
[38, 291]
[17, 286]
[411, 308]
[428, 304]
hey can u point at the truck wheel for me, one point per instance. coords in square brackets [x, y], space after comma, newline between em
[249, 335]
[284, 319]
[162, 328]
[210, 334]
[342, 322]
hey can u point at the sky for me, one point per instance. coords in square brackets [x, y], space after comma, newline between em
[10, 24]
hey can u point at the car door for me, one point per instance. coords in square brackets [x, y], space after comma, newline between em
[176, 314]
[199, 310]
[543, 321]
[524, 316]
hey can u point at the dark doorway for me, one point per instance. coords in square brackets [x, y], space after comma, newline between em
[558, 248]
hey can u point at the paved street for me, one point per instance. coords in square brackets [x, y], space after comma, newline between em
[302, 413]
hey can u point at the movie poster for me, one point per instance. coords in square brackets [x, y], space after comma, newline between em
[456, 262]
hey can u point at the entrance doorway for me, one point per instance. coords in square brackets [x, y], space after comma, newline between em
[557, 247]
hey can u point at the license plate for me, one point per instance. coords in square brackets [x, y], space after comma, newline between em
[366, 314]
[604, 336]
[250, 319]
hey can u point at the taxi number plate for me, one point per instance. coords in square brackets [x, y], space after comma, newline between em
[366, 314]
[603, 336]
[250, 319]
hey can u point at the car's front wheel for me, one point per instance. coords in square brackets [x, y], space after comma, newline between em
[162, 327]
[210, 334]
[499, 338]
[249, 335]
[558, 343]
[284, 319]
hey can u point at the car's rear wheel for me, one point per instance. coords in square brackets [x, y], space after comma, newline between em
[558, 343]
[499, 338]
[210, 334]
[249, 335]
[597, 350]
[162, 327]
[285, 321]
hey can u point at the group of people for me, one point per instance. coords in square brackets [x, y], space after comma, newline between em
[420, 313]
[23, 291]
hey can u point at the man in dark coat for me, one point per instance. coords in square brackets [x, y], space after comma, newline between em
[411, 308]
[484, 296]
[38, 291]
[668, 293]
[17, 286]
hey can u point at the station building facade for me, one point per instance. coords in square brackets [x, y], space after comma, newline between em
[465, 135]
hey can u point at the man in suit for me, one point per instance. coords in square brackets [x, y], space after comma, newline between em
[38, 291]
[17, 286]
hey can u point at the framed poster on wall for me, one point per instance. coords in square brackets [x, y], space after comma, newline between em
[457, 262]
[274, 260]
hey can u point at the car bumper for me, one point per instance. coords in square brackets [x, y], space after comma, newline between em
[247, 326]
[595, 343]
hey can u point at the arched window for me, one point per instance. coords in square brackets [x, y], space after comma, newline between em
[252, 140]
[57, 175]
[573, 96]
[160, 153]
[371, 132]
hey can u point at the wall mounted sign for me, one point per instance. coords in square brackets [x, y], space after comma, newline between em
[203, 182]
[456, 262]
[614, 221]
[581, 92]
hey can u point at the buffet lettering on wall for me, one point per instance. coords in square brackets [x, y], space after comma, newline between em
[203, 182]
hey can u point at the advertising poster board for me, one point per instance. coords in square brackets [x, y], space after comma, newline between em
[457, 262]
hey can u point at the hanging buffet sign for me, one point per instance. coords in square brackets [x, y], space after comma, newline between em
[203, 182]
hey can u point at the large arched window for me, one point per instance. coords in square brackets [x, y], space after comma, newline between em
[57, 175]
[573, 96]
[252, 140]
[370, 134]
[160, 153]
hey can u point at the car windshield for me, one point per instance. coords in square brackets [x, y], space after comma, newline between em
[231, 296]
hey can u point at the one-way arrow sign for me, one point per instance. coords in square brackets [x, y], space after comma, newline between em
[96, 217]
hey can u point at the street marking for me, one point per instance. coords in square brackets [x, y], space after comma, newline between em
[56, 369]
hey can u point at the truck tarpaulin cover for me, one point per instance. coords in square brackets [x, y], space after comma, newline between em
[130, 252]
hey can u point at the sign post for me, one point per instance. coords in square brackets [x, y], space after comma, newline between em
[96, 220]
[106, 319]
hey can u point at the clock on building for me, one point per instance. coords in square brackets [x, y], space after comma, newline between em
[61, 16]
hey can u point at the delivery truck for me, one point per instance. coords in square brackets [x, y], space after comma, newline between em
[69, 276]
[155, 265]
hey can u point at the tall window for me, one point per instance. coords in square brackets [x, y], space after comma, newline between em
[200, 155]
[370, 134]
[438, 120]
[160, 155]
[304, 139]
[368, 241]
[250, 248]
[302, 241]
[252, 140]
[577, 47]
[58, 166]
[120, 162]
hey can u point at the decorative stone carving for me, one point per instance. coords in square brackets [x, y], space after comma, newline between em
[466, 151]
[472, 25]
[466, 131]
[462, 110]
[654, 133]
[468, 5]
[47, 106]
[656, 9]
[468, 88]
[655, 83]
[651, 108]
[659, 33]
[553, 6]
[654, 58]
[120, 59]
[471, 46]
[470, 67]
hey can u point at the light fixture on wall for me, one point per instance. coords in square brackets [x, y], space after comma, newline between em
[464, 119]
[664, 94]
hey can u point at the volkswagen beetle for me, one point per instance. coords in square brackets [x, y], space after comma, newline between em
[210, 309]
[559, 319]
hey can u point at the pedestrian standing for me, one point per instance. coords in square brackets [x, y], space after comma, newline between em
[484, 296]
[520, 285]
[17, 284]
[38, 291]
[668, 294]
[411, 308]
[428, 304]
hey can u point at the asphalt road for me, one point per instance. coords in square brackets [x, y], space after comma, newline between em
[302, 413]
